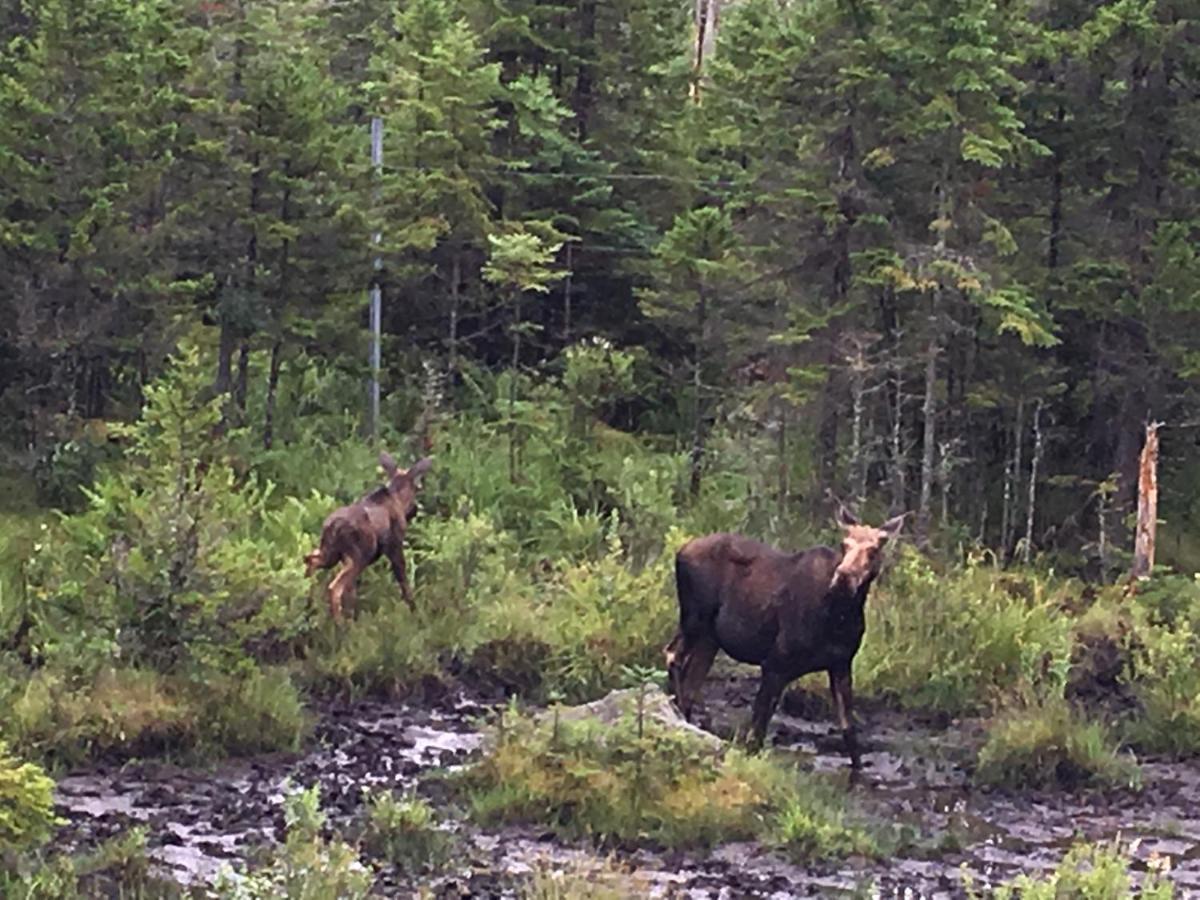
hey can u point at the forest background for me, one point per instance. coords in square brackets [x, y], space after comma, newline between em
[642, 277]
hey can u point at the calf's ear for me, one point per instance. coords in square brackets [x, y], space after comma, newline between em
[892, 526]
[387, 464]
[417, 472]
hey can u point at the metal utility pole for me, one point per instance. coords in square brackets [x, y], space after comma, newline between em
[376, 304]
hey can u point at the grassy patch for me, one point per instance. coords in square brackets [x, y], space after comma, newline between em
[307, 866]
[1051, 745]
[585, 879]
[637, 779]
[959, 640]
[1091, 871]
[119, 867]
[404, 832]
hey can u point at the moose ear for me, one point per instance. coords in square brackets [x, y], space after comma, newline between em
[892, 526]
[845, 518]
[388, 464]
[420, 468]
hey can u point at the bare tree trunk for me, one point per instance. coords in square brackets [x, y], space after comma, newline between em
[272, 392]
[1147, 514]
[567, 298]
[858, 470]
[701, 343]
[899, 480]
[512, 390]
[929, 414]
[1034, 463]
[1012, 476]
[784, 487]
[242, 385]
[455, 278]
[1102, 537]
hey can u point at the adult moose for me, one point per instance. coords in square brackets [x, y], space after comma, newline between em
[790, 613]
[358, 534]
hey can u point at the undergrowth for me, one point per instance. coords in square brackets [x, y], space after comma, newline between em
[1045, 745]
[1088, 872]
[640, 780]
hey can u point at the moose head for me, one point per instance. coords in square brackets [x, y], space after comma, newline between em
[862, 550]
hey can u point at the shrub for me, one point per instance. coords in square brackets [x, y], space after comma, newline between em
[306, 867]
[640, 779]
[1050, 745]
[1088, 872]
[259, 710]
[26, 804]
[959, 641]
[1166, 682]
[404, 831]
[119, 867]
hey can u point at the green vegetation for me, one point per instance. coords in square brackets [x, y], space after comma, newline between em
[585, 880]
[404, 831]
[1051, 745]
[1087, 872]
[117, 868]
[26, 804]
[638, 779]
[306, 866]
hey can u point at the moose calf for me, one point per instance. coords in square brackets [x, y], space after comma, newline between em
[791, 614]
[358, 534]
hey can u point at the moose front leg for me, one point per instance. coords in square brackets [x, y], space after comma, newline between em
[400, 573]
[841, 687]
[770, 689]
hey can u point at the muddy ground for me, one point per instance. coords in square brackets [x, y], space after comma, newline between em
[915, 779]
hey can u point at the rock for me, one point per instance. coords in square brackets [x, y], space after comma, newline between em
[657, 707]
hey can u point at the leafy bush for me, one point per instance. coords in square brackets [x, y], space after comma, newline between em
[26, 804]
[959, 641]
[120, 867]
[306, 867]
[583, 880]
[1167, 684]
[1050, 745]
[257, 711]
[639, 779]
[177, 557]
[1087, 872]
[404, 832]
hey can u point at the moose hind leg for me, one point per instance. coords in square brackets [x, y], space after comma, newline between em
[697, 660]
[770, 689]
[841, 687]
[335, 591]
[400, 573]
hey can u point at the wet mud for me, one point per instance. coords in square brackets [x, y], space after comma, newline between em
[915, 783]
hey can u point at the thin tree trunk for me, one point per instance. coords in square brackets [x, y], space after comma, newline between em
[1102, 538]
[1056, 198]
[242, 385]
[1034, 462]
[698, 350]
[1147, 514]
[512, 390]
[781, 451]
[1012, 475]
[929, 414]
[272, 391]
[455, 279]
[857, 463]
[567, 299]
[226, 345]
[899, 480]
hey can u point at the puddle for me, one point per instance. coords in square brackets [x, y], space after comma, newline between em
[200, 820]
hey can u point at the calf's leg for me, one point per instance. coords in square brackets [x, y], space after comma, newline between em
[841, 687]
[399, 572]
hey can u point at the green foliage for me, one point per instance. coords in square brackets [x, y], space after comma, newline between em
[637, 779]
[960, 640]
[404, 832]
[119, 867]
[583, 880]
[1051, 745]
[306, 866]
[1087, 872]
[26, 804]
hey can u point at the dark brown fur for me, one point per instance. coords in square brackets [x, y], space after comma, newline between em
[358, 534]
[790, 613]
